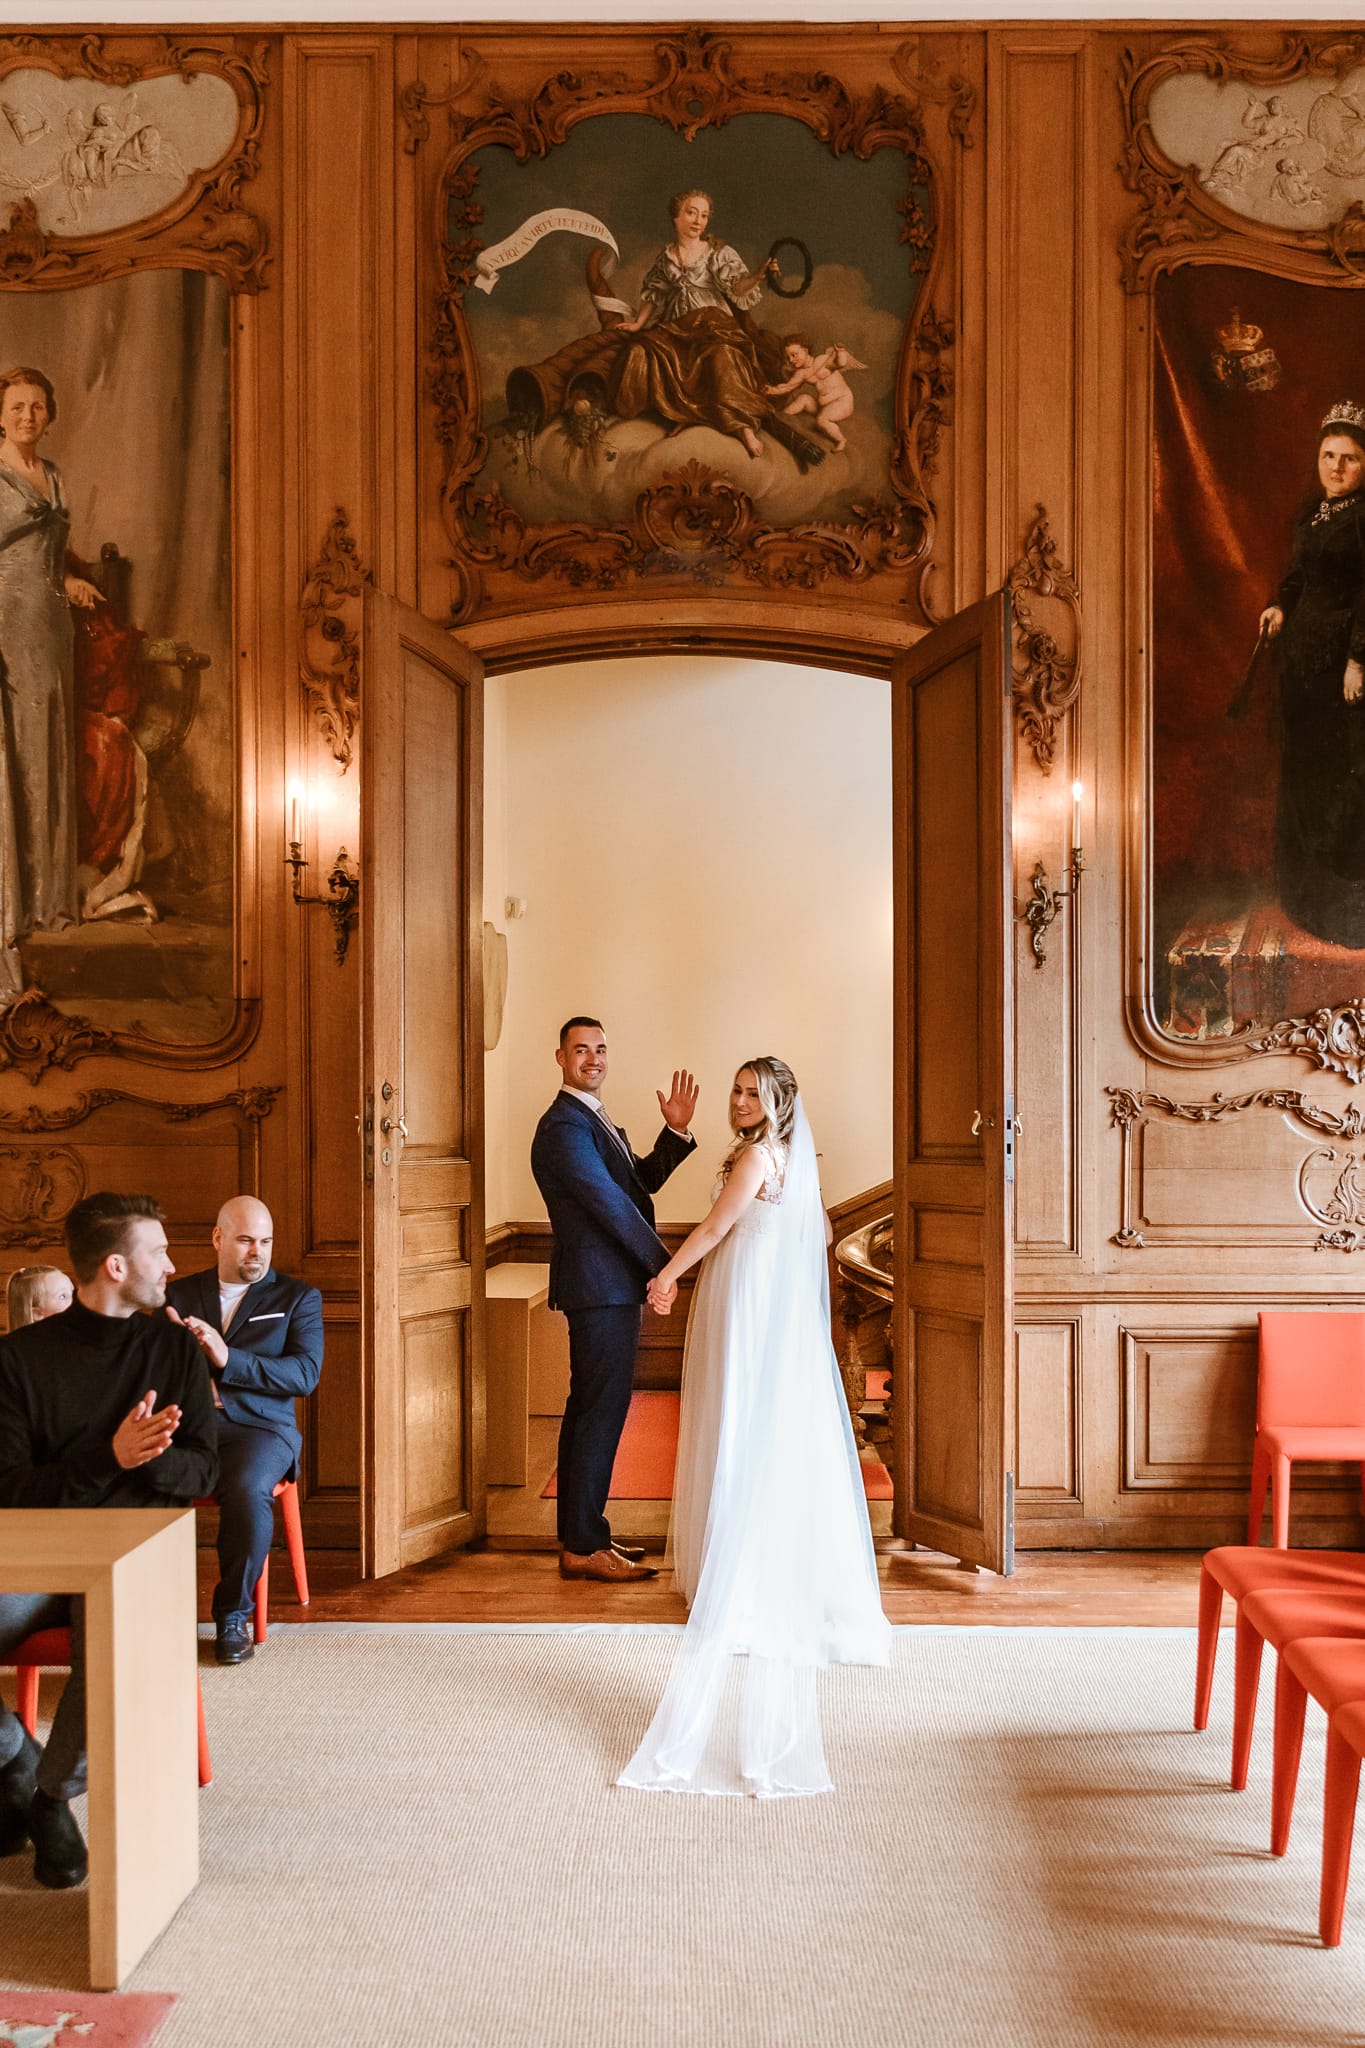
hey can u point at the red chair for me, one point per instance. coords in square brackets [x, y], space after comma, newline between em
[287, 1494]
[1310, 1403]
[1332, 1668]
[1237, 1570]
[49, 1649]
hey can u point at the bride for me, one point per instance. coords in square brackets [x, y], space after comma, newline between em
[771, 1543]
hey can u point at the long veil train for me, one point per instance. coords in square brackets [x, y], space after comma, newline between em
[786, 1570]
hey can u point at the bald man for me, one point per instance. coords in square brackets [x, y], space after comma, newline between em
[261, 1334]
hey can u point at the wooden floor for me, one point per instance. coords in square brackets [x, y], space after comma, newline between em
[1050, 1588]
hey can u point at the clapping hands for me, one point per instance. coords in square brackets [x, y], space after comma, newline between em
[679, 1107]
[661, 1295]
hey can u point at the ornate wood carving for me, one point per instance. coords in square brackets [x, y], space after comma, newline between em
[1330, 1179]
[1047, 680]
[208, 226]
[692, 525]
[35, 1036]
[40, 1183]
[919, 69]
[327, 611]
[1332, 1039]
[1176, 215]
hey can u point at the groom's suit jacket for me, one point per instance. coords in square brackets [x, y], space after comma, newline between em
[598, 1194]
[274, 1347]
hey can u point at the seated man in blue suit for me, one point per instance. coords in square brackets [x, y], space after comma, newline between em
[261, 1334]
[605, 1251]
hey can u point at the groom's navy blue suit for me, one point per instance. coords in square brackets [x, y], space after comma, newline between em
[605, 1251]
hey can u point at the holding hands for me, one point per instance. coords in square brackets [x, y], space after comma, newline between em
[680, 1106]
[661, 1295]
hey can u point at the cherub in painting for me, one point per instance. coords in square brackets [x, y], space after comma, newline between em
[832, 398]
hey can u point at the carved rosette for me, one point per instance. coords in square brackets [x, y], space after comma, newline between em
[1047, 678]
[695, 84]
[329, 663]
[208, 226]
[1178, 216]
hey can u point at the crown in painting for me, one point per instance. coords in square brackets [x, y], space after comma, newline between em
[1240, 336]
[1344, 415]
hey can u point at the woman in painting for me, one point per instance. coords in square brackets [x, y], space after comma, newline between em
[691, 356]
[1317, 620]
[38, 587]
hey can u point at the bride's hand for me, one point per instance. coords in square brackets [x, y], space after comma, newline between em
[662, 1294]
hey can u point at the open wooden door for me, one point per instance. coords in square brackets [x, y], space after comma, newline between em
[422, 968]
[954, 1107]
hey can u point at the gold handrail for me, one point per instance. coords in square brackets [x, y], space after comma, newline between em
[866, 1258]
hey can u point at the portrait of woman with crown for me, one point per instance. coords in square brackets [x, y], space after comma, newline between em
[1317, 624]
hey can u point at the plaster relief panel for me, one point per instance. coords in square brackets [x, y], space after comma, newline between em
[93, 156]
[1290, 155]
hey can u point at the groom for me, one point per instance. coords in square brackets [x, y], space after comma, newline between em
[605, 1251]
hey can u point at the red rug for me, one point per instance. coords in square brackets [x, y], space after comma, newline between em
[81, 2019]
[648, 1451]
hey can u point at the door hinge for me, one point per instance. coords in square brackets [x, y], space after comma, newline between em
[1009, 1525]
[365, 1125]
[1011, 1130]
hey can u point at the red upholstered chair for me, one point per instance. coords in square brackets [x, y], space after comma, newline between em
[1238, 1569]
[49, 1649]
[1332, 1668]
[1310, 1403]
[1278, 1617]
[287, 1494]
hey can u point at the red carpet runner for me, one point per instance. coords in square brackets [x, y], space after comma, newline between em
[649, 1447]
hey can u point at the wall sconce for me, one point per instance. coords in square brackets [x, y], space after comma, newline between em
[343, 903]
[1040, 911]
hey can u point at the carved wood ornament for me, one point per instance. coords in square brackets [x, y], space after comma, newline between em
[1047, 679]
[328, 617]
[208, 226]
[1178, 217]
[693, 524]
[1330, 1180]
[39, 1184]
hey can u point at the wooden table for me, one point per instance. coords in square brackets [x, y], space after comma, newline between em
[528, 1366]
[135, 1569]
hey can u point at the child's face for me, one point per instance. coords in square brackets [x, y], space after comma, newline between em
[797, 355]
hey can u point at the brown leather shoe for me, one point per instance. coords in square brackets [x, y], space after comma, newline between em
[603, 1564]
[634, 1551]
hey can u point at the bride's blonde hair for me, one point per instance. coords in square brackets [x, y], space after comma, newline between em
[777, 1098]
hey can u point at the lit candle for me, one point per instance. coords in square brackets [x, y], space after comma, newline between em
[293, 814]
[1076, 789]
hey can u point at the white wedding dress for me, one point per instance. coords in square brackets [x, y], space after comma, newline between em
[771, 1544]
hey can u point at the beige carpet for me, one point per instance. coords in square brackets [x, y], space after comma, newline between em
[413, 1839]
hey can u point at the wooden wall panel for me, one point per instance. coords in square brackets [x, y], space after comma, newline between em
[1048, 1422]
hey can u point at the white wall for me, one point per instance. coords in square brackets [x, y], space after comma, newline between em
[703, 846]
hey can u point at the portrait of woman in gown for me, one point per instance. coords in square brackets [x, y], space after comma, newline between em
[1316, 623]
[38, 587]
[771, 1542]
[690, 356]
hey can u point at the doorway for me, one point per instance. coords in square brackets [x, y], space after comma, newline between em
[698, 849]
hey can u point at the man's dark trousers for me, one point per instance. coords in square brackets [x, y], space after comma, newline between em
[253, 1462]
[602, 1347]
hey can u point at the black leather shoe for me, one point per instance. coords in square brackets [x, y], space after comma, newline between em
[233, 1644]
[59, 1858]
[18, 1782]
[634, 1551]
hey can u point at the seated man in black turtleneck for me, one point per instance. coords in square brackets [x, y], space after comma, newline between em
[103, 1406]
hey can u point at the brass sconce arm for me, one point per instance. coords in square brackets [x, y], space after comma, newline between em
[342, 904]
[1040, 911]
